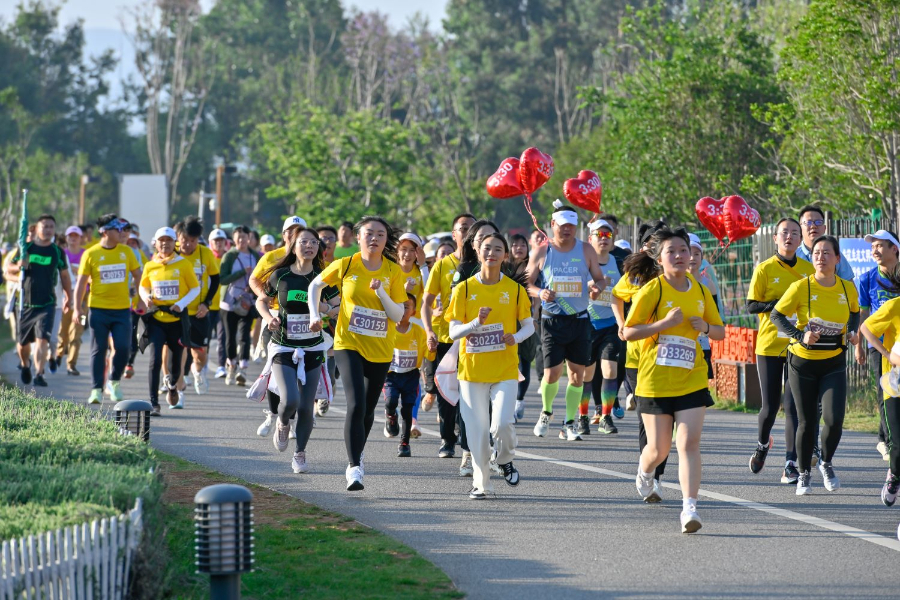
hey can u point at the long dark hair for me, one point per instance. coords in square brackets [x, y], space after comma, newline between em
[469, 252]
[290, 257]
[643, 266]
[390, 245]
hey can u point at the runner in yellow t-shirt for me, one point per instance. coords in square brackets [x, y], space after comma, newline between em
[372, 292]
[434, 301]
[770, 281]
[667, 315]
[105, 267]
[484, 313]
[169, 285]
[827, 309]
[218, 243]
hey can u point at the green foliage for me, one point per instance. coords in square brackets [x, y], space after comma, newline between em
[339, 167]
[60, 464]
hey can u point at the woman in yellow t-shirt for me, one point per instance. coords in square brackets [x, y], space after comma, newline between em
[667, 315]
[483, 314]
[770, 281]
[169, 285]
[827, 309]
[371, 286]
[628, 285]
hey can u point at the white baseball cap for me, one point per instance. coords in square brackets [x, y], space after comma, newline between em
[290, 222]
[134, 236]
[218, 234]
[695, 241]
[883, 234]
[411, 237]
[623, 244]
[266, 240]
[564, 215]
[74, 229]
[165, 232]
[595, 225]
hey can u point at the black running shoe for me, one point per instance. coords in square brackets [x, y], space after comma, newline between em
[510, 473]
[446, 451]
[40, 381]
[758, 460]
[475, 494]
[73, 372]
[403, 451]
[52, 364]
[791, 473]
[26, 374]
[391, 426]
[584, 425]
[606, 425]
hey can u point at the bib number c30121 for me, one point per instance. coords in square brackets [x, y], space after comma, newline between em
[165, 290]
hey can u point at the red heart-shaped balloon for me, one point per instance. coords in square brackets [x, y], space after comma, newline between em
[505, 182]
[709, 211]
[535, 168]
[584, 191]
[741, 221]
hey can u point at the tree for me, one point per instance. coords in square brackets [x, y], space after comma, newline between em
[176, 78]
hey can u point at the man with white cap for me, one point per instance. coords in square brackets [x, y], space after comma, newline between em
[106, 266]
[874, 290]
[565, 274]
[267, 243]
[70, 330]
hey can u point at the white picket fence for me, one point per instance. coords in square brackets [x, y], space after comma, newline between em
[87, 561]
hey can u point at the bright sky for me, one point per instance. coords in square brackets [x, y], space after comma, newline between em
[104, 14]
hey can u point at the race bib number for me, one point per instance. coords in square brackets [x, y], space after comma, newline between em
[487, 338]
[297, 328]
[112, 273]
[404, 360]
[823, 327]
[368, 322]
[198, 272]
[793, 321]
[604, 299]
[165, 290]
[676, 351]
[567, 287]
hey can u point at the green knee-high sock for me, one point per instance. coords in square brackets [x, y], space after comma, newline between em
[548, 394]
[585, 399]
[573, 399]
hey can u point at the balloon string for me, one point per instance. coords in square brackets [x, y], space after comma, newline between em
[722, 247]
[527, 202]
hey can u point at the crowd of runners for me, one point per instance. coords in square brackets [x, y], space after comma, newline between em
[456, 322]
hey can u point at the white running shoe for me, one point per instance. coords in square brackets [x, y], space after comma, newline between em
[543, 424]
[354, 479]
[656, 495]
[180, 399]
[520, 410]
[644, 486]
[201, 384]
[298, 463]
[569, 434]
[495, 468]
[264, 429]
[804, 483]
[690, 520]
[230, 375]
[220, 373]
[830, 480]
[465, 467]
[322, 406]
[883, 450]
[280, 437]
[293, 434]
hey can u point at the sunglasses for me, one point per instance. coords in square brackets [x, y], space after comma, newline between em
[604, 235]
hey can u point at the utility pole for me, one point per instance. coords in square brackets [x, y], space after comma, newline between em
[221, 170]
[85, 179]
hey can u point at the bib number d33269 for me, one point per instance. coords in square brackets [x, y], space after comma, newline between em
[676, 351]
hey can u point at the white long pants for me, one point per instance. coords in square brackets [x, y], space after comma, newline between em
[488, 410]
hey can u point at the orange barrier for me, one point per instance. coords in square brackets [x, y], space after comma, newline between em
[738, 345]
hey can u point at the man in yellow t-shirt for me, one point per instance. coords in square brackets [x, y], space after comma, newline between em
[218, 243]
[437, 295]
[106, 266]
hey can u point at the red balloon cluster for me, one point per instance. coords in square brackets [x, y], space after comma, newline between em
[731, 216]
[521, 176]
[584, 191]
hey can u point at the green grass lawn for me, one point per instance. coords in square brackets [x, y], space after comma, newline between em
[301, 551]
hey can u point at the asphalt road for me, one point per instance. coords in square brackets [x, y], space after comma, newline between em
[575, 526]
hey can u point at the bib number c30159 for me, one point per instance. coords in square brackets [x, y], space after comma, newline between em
[368, 322]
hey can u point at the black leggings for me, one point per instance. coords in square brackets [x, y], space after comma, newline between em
[135, 319]
[874, 361]
[363, 381]
[525, 368]
[631, 382]
[164, 334]
[812, 382]
[293, 397]
[238, 327]
[891, 409]
[772, 379]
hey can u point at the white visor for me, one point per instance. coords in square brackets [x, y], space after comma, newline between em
[595, 225]
[567, 216]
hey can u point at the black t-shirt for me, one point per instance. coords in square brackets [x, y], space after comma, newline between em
[40, 274]
[292, 293]
[620, 254]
